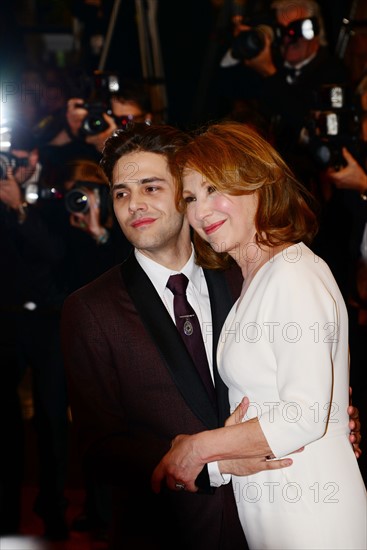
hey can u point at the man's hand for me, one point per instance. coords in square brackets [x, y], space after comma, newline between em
[354, 427]
[180, 464]
[183, 463]
[352, 176]
[75, 114]
[10, 193]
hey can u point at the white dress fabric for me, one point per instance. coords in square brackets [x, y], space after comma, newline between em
[285, 346]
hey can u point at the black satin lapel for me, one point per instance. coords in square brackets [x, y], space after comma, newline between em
[221, 301]
[159, 324]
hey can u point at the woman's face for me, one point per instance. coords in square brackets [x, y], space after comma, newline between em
[226, 222]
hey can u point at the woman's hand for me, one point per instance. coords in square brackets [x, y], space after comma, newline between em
[248, 466]
[182, 464]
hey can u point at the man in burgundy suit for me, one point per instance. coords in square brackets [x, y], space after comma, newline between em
[133, 385]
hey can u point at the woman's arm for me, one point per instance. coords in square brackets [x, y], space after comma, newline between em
[240, 446]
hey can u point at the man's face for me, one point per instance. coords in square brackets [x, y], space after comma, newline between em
[301, 49]
[143, 192]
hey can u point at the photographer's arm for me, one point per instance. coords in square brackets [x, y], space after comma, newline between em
[352, 176]
[75, 114]
[73, 121]
[11, 195]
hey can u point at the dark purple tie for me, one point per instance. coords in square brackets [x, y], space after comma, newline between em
[188, 325]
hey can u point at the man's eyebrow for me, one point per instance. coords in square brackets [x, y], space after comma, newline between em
[152, 179]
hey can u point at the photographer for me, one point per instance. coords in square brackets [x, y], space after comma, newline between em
[346, 191]
[112, 104]
[94, 241]
[343, 187]
[293, 62]
[33, 289]
[347, 186]
[89, 120]
[353, 176]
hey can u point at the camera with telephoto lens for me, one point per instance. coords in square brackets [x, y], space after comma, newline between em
[104, 85]
[7, 160]
[94, 123]
[332, 125]
[249, 43]
[77, 201]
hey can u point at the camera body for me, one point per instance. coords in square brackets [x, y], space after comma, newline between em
[8, 160]
[104, 85]
[75, 200]
[332, 125]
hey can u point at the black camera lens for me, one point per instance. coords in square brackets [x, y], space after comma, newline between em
[248, 44]
[94, 124]
[76, 201]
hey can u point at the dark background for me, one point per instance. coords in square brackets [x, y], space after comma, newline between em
[193, 34]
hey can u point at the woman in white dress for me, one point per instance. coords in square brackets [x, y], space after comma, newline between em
[284, 346]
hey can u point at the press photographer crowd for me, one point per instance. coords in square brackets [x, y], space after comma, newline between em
[278, 71]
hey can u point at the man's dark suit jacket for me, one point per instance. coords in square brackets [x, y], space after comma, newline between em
[133, 388]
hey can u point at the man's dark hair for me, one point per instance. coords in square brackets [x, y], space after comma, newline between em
[139, 137]
[22, 138]
[134, 91]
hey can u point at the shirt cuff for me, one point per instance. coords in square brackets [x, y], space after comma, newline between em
[216, 478]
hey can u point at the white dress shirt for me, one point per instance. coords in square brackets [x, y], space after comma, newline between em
[198, 297]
